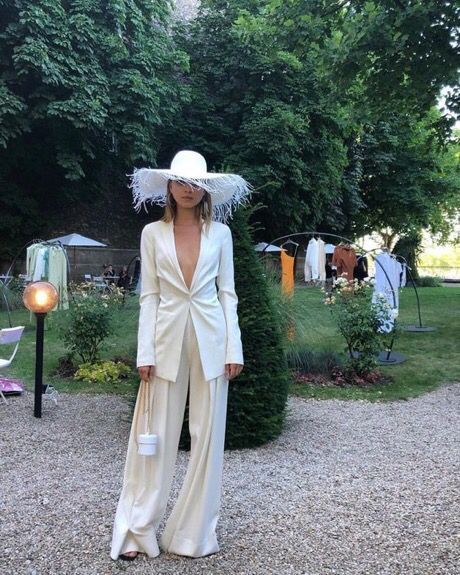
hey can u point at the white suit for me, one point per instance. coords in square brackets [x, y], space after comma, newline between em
[165, 301]
[189, 335]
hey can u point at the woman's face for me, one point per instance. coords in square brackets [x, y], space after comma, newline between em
[186, 196]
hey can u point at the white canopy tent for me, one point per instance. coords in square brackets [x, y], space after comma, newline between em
[77, 240]
[264, 247]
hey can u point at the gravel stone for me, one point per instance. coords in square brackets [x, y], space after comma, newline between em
[350, 488]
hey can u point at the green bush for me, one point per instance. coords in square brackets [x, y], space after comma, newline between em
[364, 324]
[428, 281]
[257, 397]
[89, 320]
[314, 362]
[102, 371]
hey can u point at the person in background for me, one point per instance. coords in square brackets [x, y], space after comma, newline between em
[109, 274]
[124, 279]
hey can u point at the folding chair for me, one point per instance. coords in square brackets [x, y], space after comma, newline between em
[11, 335]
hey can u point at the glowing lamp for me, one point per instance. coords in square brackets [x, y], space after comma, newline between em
[39, 297]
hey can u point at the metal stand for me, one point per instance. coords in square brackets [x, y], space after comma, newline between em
[420, 328]
[391, 358]
[385, 357]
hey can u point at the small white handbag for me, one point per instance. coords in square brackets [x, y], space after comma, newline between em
[146, 442]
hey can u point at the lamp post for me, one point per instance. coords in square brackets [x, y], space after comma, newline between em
[40, 298]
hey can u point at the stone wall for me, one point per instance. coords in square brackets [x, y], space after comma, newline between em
[92, 261]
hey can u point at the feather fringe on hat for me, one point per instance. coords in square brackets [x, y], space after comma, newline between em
[227, 191]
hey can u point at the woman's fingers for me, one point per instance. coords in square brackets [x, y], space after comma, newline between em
[232, 370]
[146, 372]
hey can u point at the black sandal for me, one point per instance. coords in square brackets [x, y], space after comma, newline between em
[124, 557]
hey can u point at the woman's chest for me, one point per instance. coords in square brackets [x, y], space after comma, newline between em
[188, 258]
[187, 243]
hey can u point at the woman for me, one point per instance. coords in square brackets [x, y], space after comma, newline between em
[188, 335]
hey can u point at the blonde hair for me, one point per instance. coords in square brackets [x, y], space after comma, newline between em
[203, 209]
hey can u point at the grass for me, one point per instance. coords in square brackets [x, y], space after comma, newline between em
[122, 343]
[433, 358]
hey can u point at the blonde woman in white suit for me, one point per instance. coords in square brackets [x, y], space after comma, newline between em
[188, 336]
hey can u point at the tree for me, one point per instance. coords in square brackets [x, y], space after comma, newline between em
[256, 106]
[410, 182]
[257, 398]
[287, 91]
[85, 89]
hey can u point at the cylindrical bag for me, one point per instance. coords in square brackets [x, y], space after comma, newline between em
[146, 442]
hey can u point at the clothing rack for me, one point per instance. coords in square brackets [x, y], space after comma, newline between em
[11, 268]
[342, 238]
[411, 328]
[390, 357]
[420, 327]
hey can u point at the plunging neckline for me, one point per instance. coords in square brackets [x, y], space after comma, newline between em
[197, 260]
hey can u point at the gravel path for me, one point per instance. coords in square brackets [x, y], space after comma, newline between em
[350, 488]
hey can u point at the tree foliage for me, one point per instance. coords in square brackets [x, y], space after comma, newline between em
[293, 93]
[257, 398]
[314, 102]
[85, 89]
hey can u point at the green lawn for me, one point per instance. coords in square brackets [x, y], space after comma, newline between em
[433, 358]
[122, 343]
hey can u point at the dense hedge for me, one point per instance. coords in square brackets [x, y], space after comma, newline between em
[257, 398]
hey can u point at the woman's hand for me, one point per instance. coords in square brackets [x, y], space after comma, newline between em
[146, 372]
[232, 370]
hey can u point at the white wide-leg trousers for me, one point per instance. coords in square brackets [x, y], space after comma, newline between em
[191, 527]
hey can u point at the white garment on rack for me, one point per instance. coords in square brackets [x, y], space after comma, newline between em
[321, 260]
[57, 275]
[311, 261]
[402, 274]
[387, 280]
[39, 270]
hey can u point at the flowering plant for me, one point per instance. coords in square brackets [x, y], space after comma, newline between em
[362, 320]
[90, 315]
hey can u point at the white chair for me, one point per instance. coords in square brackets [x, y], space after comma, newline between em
[99, 282]
[88, 278]
[11, 335]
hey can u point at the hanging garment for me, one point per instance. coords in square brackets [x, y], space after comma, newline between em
[190, 528]
[361, 270]
[31, 259]
[311, 271]
[321, 260]
[387, 270]
[287, 273]
[344, 258]
[403, 275]
[39, 270]
[57, 275]
[49, 262]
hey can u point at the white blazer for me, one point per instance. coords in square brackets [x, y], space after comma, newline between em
[165, 302]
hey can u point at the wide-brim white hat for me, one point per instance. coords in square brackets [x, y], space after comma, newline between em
[227, 191]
